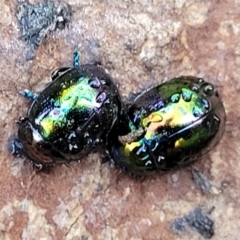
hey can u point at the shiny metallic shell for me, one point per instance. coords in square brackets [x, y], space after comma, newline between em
[169, 126]
[72, 116]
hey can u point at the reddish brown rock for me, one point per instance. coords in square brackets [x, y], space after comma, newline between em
[140, 43]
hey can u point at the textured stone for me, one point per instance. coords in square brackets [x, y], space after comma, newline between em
[140, 43]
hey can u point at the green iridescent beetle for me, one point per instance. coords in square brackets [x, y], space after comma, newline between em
[69, 118]
[168, 126]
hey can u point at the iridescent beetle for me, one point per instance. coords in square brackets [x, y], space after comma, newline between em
[168, 126]
[69, 118]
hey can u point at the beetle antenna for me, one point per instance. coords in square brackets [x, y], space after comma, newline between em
[76, 57]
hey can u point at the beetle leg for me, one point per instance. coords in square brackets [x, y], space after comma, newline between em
[37, 166]
[21, 120]
[105, 156]
[76, 57]
[15, 146]
[27, 94]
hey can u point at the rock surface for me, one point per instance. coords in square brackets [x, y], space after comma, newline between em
[140, 43]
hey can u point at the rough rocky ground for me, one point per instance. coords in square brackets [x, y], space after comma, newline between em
[139, 42]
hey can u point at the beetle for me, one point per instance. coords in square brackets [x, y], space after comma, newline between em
[168, 126]
[70, 117]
